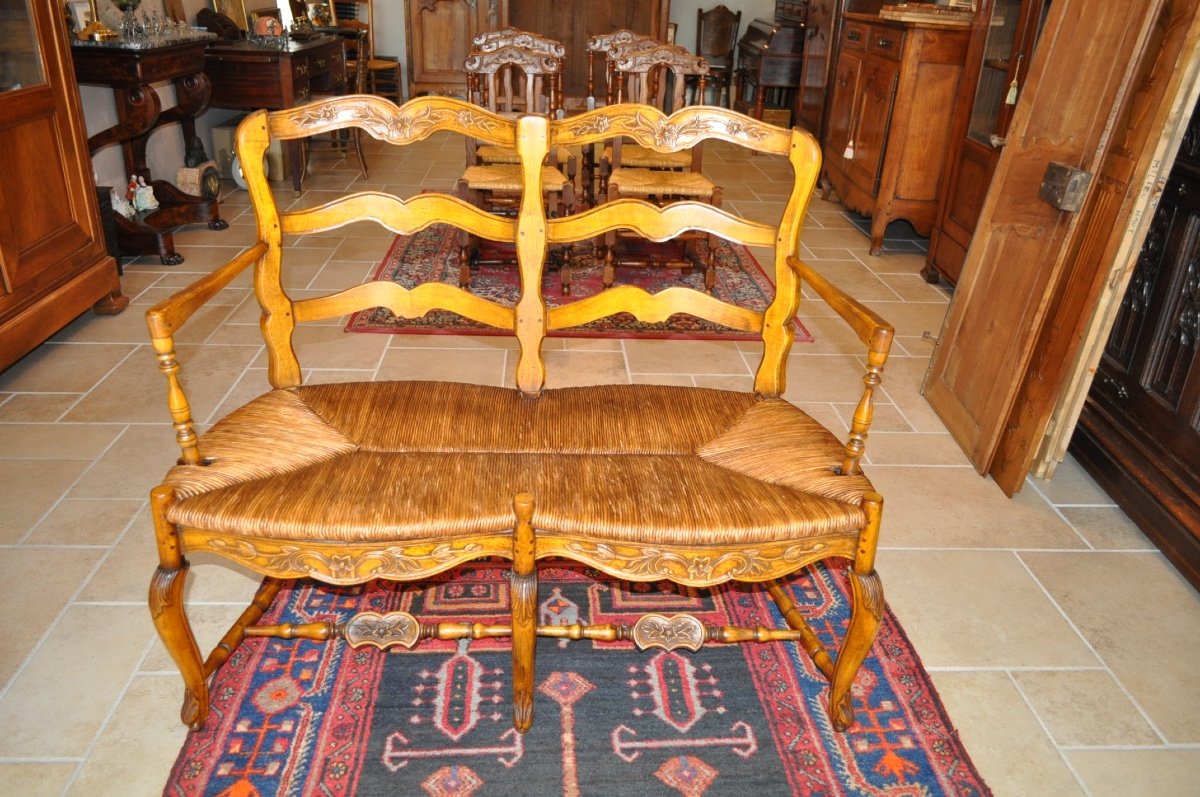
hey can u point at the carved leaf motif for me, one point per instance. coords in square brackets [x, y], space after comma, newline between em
[654, 562]
[739, 129]
[666, 134]
[395, 562]
[600, 124]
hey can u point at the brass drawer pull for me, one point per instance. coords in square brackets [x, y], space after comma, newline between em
[854, 35]
[882, 42]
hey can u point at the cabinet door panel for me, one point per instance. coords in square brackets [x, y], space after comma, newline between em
[441, 40]
[875, 114]
[842, 105]
[39, 218]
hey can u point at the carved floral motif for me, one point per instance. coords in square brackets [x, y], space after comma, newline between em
[394, 562]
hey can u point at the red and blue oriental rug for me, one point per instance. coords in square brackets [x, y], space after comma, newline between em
[294, 717]
[433, 254]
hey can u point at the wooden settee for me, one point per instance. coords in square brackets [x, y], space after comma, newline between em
[345, 483]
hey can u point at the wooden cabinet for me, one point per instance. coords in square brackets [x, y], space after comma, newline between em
[439, 34]
[53, 261]
[891, 110]
[1139, 433]
[573, 22]
[1001, 49]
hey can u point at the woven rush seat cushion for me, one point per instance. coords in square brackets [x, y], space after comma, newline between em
[489, 153]
[396, 461]
[636, 156]
[643, 182]
[505, 177]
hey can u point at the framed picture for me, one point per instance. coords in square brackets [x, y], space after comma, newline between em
[81, 14]
[320, 13]
[234, 9]
[266, 22]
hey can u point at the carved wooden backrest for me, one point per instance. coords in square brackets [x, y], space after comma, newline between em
[495, 39]
[716, 34]
[530, 231]
[647, 83]
[511, 78]
[600, 46]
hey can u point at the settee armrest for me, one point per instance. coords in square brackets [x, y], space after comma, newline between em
[166, 318]
[875, 333]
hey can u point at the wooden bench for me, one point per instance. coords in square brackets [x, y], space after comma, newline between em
[345, 483]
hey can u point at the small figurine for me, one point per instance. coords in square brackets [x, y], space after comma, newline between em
[121, 205]
[131, 189]
[143, 198]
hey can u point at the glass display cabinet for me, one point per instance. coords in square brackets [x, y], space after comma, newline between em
[1002, 44]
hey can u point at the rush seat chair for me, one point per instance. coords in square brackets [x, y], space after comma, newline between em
[343, 483]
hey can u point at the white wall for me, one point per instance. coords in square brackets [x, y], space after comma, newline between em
[164, 154]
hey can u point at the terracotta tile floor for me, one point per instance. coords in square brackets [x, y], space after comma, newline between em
[1063, 644]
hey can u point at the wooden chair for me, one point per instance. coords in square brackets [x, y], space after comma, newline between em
[357, 83]
[383, 75]
[490, 41]
[716, 41]
[492, 179]
[344, 483]
[657, 173]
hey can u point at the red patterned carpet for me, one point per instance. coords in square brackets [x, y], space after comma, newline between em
[433, 254]
[309, 718]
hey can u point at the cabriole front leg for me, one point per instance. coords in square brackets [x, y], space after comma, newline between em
[170, 619]
[866, 615]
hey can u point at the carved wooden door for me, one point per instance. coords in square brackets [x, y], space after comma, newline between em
[1031, 279]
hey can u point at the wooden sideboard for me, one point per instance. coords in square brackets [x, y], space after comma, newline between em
[53, 262]
[1139, 433]
[894, 92]
[439, 33]
[246, 77]
[131, 70]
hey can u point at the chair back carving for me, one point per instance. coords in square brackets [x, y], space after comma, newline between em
[511, 78]
[646, 72]
[495, 39]
[602, 46]
[533, 136]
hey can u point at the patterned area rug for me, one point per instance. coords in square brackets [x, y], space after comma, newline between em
[299, 717]
[433, 253]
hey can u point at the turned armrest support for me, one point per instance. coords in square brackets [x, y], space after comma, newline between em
[875, 333]
[166, 318]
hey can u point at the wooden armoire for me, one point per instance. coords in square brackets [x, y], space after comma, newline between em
[440, 31]
[1139, 433]
[53, 260]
